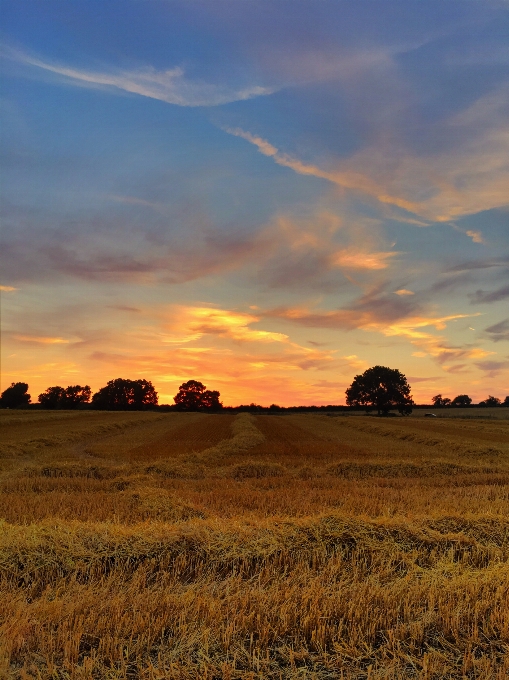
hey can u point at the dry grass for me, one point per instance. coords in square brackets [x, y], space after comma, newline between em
[191, 546]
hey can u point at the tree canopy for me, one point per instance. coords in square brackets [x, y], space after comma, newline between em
[438, 401]
[461, 400]
[69, 398]
[125, 395]
[52, 397]
[491, 401]
[381, 388]
[15, 395]
[194, 396]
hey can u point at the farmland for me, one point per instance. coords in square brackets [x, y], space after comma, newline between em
[165, 545]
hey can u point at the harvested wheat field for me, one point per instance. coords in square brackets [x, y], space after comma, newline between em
[149, 545]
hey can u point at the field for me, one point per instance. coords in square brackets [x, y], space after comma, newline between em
[186, 546]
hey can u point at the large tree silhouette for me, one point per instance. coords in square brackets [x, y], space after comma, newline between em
[194, 396]
[381, 388]
[15, 395]
[125, 395]
[52, 397]
[461, 400]
[69, 398]
[76, 395]
[491, 401]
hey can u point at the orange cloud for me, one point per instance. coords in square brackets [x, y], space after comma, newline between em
[310, 248]
[476, 236]
[7, 289]
[41, 340]
[411, 328]
[356, 363]
[350, 258]
[194, 322]
[433, 345]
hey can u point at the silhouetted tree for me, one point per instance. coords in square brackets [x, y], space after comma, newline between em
[15, 395]
[52, 398]
[125, 395]
[492, 401]
[381, 388]
[76, 395]
[440, 401]
[210, 400]
[506, 401]
[461, 400]
[194, 396]
[70, 397]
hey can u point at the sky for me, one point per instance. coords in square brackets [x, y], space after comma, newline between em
[266, 196]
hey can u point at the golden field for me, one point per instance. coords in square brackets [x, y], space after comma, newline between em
[164, 545]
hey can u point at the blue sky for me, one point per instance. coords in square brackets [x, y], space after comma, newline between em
[269, 197]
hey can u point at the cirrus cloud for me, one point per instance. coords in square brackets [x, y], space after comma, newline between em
[170, 86]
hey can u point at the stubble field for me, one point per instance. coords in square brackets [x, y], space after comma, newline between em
[186, 546]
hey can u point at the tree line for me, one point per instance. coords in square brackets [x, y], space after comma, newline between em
[378, 388]
[465, 400]
[120, 394]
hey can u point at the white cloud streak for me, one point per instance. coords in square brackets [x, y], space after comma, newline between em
[356, 181]
[170, 86]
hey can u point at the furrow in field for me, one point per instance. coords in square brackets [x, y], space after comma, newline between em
[24, 439]
[196, 435]
[290, 444]
[388, 439]
[452, 438]
[486, 431]
[244, 436]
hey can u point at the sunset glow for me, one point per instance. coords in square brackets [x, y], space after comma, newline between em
[267, 197]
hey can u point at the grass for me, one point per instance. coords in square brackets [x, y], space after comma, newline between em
[190, 546]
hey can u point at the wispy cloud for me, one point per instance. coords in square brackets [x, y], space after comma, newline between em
[318, 249]
[126, 308]
[492, 368]
[499, 331]
[194, 322]
[7, 289]
[467, 177]
[351, 258]
[483, 296]
[40, 340]
[470, 177]
[411, 327]
[476, 236]
[355, 181]
[103, 258]
[485, 263]
[170, 86]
